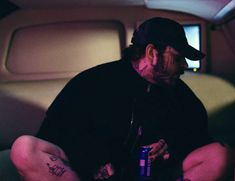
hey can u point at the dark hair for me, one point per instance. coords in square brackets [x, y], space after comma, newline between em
[135, 52]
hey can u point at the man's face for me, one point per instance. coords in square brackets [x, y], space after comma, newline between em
[172, 66]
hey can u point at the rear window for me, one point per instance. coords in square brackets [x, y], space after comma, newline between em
[64, 47]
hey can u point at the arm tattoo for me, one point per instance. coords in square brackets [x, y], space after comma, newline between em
[55, 169]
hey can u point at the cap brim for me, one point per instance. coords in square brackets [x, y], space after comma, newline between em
[191, 53]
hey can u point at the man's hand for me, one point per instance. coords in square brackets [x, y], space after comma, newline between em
[104, 172]
[158, 149]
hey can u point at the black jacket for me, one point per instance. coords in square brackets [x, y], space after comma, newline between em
[91, 119]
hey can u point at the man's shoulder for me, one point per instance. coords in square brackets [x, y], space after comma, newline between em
[85, 82]
[187, 92]
[183, 86]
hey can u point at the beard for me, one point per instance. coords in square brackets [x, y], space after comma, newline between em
[162, 77]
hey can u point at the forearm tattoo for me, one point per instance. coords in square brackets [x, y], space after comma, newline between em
[55, 169]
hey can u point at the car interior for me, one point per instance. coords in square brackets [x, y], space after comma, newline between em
[43, 44]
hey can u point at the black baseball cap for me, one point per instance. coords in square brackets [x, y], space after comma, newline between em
[165, 31]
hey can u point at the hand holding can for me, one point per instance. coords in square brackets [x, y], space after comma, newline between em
[158, 149]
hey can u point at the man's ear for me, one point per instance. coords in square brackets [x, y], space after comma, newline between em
[151, 54]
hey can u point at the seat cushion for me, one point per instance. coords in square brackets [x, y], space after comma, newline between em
[7, 170]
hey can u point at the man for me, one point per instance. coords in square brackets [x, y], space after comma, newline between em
[97, 124]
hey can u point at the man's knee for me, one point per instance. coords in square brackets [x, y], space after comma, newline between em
[23, 151]
[216, 156]
[220, 154]
[35, 158]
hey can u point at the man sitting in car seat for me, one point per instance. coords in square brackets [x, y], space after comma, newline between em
[96, 126]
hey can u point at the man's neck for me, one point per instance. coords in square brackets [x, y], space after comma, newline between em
[144, 69]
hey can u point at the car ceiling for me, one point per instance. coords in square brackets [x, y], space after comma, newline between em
[211, 10]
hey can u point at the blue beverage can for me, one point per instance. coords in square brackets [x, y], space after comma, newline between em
[144, 163]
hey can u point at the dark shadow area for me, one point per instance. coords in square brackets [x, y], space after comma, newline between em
[17, 117]
[6, 7]
[222, 124]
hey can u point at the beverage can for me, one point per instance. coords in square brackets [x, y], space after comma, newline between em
[144, 163]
